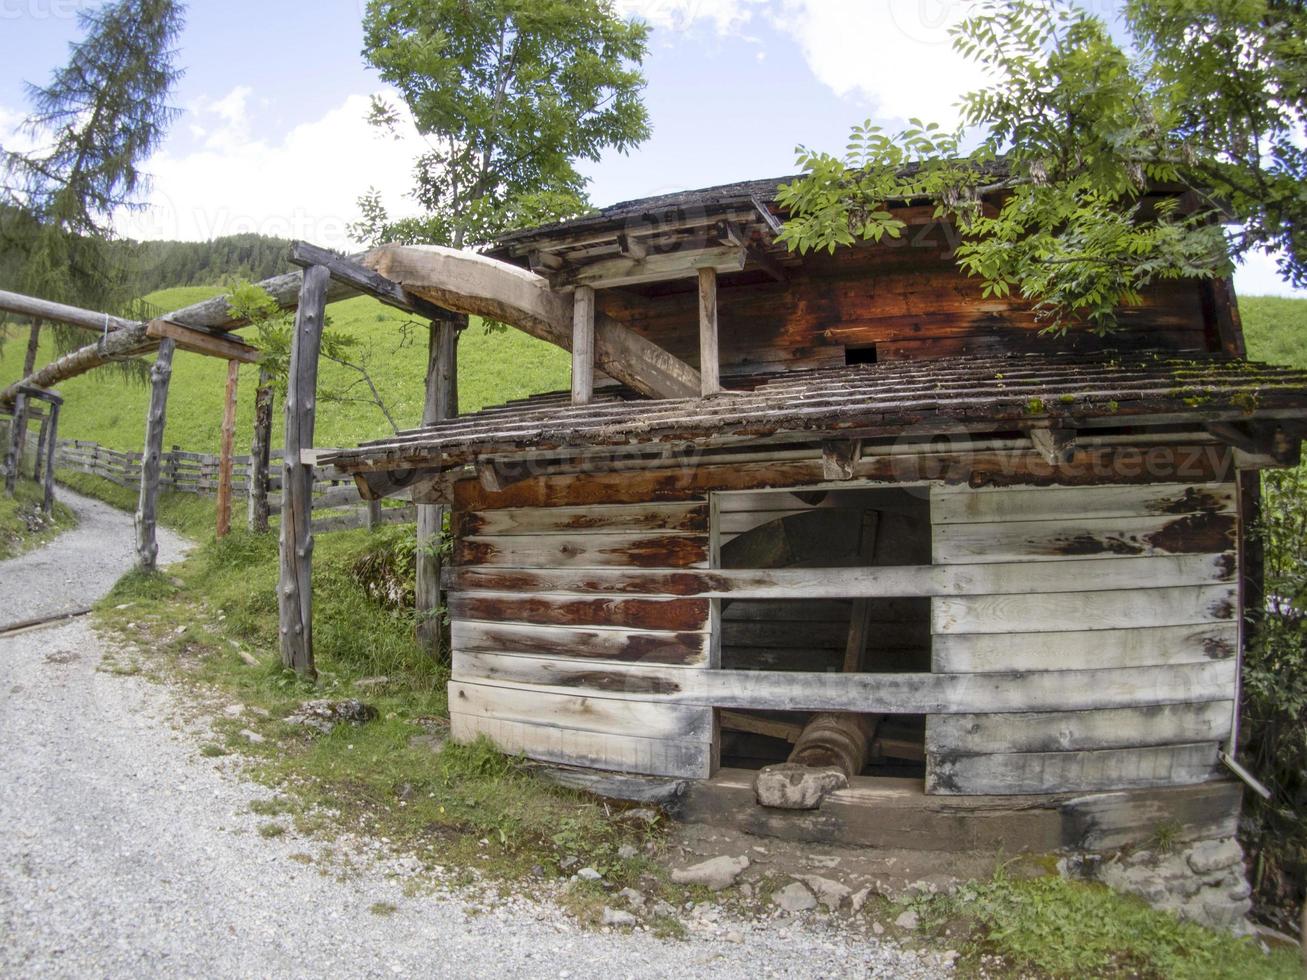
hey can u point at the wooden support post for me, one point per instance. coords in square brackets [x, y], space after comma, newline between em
[260, 454]
[52, 436]
[41, 435]
[225, 457]
[583, 345]
[709, 372]
[295, 592]
[15, 451]
[441, 403]
[147, 506]
[374, 514]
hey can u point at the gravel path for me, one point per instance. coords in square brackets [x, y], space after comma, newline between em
[124, 852]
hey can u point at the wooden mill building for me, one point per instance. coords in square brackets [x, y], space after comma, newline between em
[842, 505]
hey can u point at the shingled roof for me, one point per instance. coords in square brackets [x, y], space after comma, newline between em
[991, 393]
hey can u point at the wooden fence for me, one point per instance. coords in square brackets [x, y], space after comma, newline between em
[185, 472]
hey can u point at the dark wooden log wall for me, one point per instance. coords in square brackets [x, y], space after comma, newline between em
[906, 302]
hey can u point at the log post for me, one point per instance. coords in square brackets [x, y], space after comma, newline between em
[709, 370]
[295, 592]
[20, 433]
[583, 345]
[260, 453]
[52, 438]
[147, 506]
[441, 403]
[225, 457]
[41, 435]
[14, 452]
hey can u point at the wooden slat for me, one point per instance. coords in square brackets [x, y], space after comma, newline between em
[591, 643]
[1058, 772]
[583, 340]
[620, 753]
[567, 673]
[1079, 539]
[843, 583]
[577, 712]
[674, 615]
[588, 550]
[963, 505]
[692, 516]
[1083, 649]
[923, 693]
[1053, 612]
[1064, 731]
[228, 347]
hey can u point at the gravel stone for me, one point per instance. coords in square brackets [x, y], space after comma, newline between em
[127, 853]
[794, 897]
[715, 873]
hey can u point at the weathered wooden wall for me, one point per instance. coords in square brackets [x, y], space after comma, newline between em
[1169, 616]
[908, 301]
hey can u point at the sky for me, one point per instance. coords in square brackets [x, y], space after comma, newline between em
[272, 136]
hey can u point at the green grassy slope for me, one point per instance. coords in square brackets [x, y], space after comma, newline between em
[493, 368]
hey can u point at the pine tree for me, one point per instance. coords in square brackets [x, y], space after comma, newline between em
[100, 117]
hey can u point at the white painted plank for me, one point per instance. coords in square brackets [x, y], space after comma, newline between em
[890, 581]
[1078, 539]
[619, 753]
[590, 519]
[1065, 731]
[1062, 611]
[579, 712]
[587, 644]
[963, 505]
[962, 653]
[1075, 772]
[924, 693]
[626, 550]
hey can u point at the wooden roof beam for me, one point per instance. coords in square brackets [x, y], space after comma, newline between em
[730, 233]
[481, 286]
[622, 270]
[348, 272]
[229, 347]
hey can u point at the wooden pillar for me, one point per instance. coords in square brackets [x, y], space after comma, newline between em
[260, 451]
[226, 450]
[295, 593]
[51, 440]
[15, 451]
[441, 403]
[583, 345]
[41, 435]
[147, 506]
[709, 371]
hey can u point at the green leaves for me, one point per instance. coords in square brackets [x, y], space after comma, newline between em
[1073, 136]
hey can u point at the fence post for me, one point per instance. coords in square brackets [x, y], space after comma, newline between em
[147, 546]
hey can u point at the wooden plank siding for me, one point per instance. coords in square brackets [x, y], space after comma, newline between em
[1164, 620]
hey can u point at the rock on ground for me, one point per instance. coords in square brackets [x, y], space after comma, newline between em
[716, 873]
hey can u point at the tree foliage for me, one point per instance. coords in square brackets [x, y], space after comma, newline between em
[509, 94]
[1205, 99]
[97, 119]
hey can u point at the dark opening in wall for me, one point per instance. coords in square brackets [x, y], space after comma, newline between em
[824, 529]
[860, 355]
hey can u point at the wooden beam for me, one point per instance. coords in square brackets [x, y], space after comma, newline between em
[51, 430]
[14, 453]
[229, 347]
[260, 454]
[631, 247]
[441, 403]
[73, 316]
[709, 363]
[1259, 443]
[730, 233]
[225, 452]
[583, 338]
[147, 505]
[295, 593]
[621, 270]
[838, 458]
[481, 286]
[1054, 445]
[348, 272]
[543, 263]
[764, 212]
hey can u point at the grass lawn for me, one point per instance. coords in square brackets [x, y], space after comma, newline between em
[1276, 329]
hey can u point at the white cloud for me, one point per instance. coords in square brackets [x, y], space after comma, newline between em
[303, 185]
[1257, 276]
[896, 54]
[725, 16]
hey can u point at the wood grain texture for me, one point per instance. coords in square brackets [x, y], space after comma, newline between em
[1061, 611]
[147, 505]
[1075, 538]
[619, 753]
[688, 516]
[675, 615]
[963, 505]
[588, 550]
[1064, 731]
[1059, 772]
[608, 644]
[226, 450]
[963, 653]
[583, 339]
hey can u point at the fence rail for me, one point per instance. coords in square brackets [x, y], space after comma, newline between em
[186, 472]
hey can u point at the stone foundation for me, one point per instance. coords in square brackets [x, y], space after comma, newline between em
[1203, 882]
